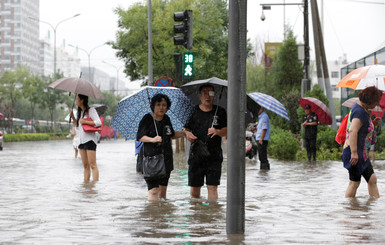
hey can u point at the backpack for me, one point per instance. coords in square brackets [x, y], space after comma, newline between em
[341, 133]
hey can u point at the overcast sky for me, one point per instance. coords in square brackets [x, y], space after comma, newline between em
[353, 27]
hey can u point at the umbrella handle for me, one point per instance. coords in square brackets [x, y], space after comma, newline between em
[72, 109]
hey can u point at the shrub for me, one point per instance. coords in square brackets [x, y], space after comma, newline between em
[283, 144]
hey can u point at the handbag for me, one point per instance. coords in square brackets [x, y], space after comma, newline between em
[199, 151]
[90, 129]
[154, 167]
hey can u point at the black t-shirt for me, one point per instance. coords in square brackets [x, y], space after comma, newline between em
[201, 121]
[165, 130]
[311, 130]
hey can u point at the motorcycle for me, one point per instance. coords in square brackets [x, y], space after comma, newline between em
[251, 145]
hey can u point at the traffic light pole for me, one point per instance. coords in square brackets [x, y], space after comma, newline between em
[235, 213]
[150, 70]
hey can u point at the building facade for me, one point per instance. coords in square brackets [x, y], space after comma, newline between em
[19, 39]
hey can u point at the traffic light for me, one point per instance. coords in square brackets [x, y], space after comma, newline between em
[185, 28]
[188, 68]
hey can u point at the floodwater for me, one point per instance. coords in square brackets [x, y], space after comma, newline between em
[44, 200]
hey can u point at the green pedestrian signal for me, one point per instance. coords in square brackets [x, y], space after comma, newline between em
[188, 60]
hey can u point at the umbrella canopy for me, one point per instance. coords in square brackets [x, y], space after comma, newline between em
[377, 111]
[1, 115]
[319, 108]
[191, 89]
[100, 108]
[78, 86]
[270, 103]
[363, 77]
[132, 108]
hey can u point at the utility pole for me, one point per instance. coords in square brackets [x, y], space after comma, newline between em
[325, 70]
[235, 213]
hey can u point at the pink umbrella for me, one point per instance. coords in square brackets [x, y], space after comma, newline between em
[319, 108]
[78, 86]
[1, 115]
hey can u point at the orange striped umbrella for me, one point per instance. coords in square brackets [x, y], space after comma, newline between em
[363, 77]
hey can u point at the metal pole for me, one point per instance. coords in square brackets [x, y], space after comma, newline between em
[150, 71]
[235, 213]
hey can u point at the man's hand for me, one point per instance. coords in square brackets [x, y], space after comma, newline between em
[157, 139]
[212, 132]
[190, 136]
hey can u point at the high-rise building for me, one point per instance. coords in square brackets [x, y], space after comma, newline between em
[19, 36]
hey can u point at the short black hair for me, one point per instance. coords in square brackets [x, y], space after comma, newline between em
[206, 85]
[159, 98]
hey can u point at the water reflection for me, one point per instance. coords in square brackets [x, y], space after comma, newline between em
[294, 202]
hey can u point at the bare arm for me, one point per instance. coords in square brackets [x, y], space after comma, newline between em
[220, 132]
[262, 136]
[353, 135]
[147, 139]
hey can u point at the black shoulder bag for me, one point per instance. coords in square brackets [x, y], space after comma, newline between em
[154, 166]
[199, 149]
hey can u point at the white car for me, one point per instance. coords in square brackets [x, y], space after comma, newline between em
[1, 141]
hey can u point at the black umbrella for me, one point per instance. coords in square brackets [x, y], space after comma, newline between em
[100, 108]
[191, 89]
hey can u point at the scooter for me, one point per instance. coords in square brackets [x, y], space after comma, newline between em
[251, 145]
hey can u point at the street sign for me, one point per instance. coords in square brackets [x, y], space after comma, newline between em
[188, 60]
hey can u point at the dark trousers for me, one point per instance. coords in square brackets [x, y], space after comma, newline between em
[262, 154]
[311, 148]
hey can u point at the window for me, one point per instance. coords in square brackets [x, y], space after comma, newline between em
[335, 74]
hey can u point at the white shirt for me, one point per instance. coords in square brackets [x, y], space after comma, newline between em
[85, 137]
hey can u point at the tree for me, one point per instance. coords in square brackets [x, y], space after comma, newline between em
[287, 70]
[210, 25]
[32, 90]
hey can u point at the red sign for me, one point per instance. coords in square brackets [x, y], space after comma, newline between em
[164, 82]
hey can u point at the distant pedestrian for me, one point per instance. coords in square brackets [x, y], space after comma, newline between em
[377, 130]
[75, 140]
[310, 123]
[359, 136]
[207, 126]
[87, 140]
[262, 137]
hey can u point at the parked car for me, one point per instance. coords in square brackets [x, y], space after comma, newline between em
[1, 141]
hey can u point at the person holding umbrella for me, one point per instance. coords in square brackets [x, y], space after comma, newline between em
[208, 124]
[155, 131]
[310, 123]
[359, 135]
[87, 140]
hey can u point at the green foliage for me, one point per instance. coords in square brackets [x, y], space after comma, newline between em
[325, 138]
[290, 101]
[210, 41]
[283, 145]
[287, 70]
[33, 137]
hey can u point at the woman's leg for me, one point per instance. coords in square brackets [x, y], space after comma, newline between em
[372, 186]
[162, 191]
[86, 165]
[153, 194]
[91, 155]
[352, 188]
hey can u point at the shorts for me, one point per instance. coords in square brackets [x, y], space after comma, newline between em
[89, 145]
[354, 173]
[196, 174]
[155, 183]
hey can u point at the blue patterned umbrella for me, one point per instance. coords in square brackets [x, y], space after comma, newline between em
[270, 103]
[132, 108]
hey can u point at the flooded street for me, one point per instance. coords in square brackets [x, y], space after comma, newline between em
[44, 200]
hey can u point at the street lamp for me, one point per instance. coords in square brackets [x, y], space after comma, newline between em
[117, 74]
[54, 35]
[306, 62]
[54, 28]
[89, 58]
